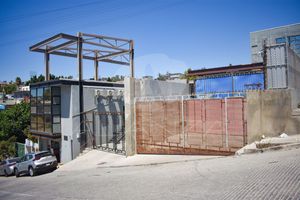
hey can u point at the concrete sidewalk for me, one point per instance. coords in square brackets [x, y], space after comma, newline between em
[100, 159]
[271, 144]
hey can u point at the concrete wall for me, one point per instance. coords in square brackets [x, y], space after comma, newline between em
[144, 88]
[70, 125]
[147, 88]
[294, 76]
[269, 113]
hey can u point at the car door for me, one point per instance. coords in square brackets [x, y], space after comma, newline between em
[2, 164]
[21, 164]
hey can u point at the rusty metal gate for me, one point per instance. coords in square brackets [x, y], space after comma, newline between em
[190, 126]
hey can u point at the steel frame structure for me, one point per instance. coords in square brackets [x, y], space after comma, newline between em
[98, 48]
[94, 47]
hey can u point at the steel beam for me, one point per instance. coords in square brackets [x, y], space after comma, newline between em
[113, 54]
[61, 46]
[52, 39]
[103, 45]
[84, 57]
[104, 37]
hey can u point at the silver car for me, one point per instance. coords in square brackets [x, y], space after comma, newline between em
[7, 166]
[34, 163]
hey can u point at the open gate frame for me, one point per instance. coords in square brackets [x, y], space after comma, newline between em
[191, 126]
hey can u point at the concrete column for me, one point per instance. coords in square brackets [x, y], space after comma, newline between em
[130, 134]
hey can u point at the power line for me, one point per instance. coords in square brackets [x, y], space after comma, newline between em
[109, 18]
[18, 17]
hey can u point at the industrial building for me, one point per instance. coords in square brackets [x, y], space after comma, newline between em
[231, 79]
[275, 64]
[229, 107]
[68, 116]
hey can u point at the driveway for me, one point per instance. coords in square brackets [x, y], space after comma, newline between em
[271, 175]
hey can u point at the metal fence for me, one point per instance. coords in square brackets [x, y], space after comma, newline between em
[190, 126]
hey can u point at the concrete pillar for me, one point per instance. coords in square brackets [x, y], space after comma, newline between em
[130, 134]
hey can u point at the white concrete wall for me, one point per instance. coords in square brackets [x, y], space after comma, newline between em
[147, 88]
[70, 126]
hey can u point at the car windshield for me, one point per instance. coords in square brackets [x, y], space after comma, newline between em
[13, 160]
[43, 154]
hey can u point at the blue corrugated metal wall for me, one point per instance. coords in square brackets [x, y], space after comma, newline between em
[236, 83]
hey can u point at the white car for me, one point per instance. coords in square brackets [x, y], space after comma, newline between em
[7, 166]
[32, 163]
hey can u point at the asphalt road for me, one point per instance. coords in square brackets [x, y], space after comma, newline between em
[272, 175]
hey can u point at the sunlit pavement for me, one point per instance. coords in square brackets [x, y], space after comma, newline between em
[271, 175]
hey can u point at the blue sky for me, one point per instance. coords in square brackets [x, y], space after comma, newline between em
[169, 35]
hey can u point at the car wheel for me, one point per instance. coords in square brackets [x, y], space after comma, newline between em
[31, 171]
[5, 173]
[17, 173]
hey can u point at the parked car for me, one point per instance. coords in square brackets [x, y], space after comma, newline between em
[33, 163]
[7, 166]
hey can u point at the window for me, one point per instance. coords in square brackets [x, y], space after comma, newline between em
[45, 109]
[280, 40]
[295, 43]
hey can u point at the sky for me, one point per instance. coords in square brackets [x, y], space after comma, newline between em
[169, 35]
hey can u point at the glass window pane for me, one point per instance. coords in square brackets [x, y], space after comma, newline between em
[33, 118]
[47, 118]
[56, 128]
[280, 40]
[48, 127]
[40, 92]
[55, 91]
[47, 109]
[33, 101]
[40, 101]
[55, 110]
[33, 109]
[33, 96]
[56, 119]
[56, 100]
[41, 127]
[40, 110]
[40, 119]
[33, 92]
[47, 95]
[33, 122]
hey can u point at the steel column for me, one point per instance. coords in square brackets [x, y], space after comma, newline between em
[47, 58]
[131, 54]
[79, 60]
[96, 65]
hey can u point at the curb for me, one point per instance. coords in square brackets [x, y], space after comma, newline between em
[272, 148]
[281, 147]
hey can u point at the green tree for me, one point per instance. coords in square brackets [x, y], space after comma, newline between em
[8, 89]
[161, 77]
[7, 148]
[18, 81]
[14, 121]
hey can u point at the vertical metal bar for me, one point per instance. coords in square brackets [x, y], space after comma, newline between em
[131, 55]
[226, 124]
[100, 129]
[47, 59]
[182, 121]
[79, 60]
[94, 130]
[96, 65]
